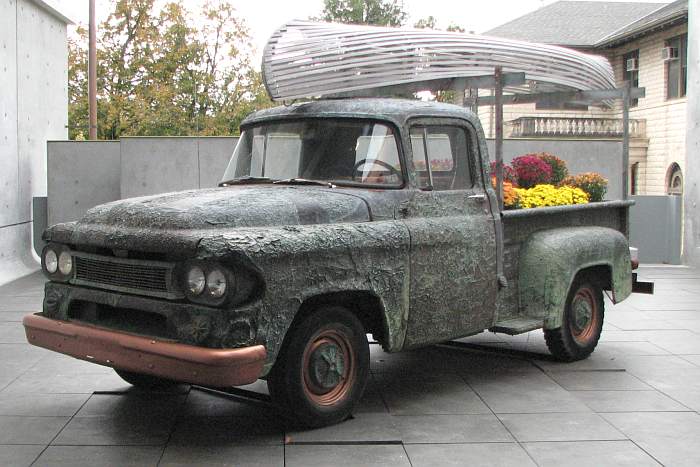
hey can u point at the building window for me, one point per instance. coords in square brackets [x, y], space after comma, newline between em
[676, 57]
[634, 177]
[674, 184]
[630, 67]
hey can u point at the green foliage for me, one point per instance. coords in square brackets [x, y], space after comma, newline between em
[426, 23]
[166, 72]
[455, 28]
[592, 183]
[374, 12]
[558, 166]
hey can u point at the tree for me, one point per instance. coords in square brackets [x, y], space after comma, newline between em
[455, 28]
[426, 23]
[166, 72]
[374, 12]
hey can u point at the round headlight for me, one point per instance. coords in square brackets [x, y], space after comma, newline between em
[216, 283]
[65, 263]
[196, 280]
[51, 261]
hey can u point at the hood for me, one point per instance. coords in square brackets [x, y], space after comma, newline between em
[177, 221]
[232, 207]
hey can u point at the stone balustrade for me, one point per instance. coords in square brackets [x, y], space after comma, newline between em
[572, 127]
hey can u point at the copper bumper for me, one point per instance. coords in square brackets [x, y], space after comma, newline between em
[178, 362]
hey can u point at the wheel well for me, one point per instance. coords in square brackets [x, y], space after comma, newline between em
[363, 304]
[601, 273]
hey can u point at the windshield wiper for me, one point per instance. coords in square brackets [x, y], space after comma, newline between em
[246, 180]
[303, 181]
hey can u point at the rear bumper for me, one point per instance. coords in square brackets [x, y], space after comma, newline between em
[178, 362]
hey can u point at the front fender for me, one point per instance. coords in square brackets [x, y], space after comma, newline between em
[300, 262]
[550, 259]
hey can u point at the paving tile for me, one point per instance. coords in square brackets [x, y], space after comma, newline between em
[41, 405]
[597, 380]
[588, 453]
[520, 392]
[345, 456]
[28, 304]
[18, 455]
[223, 455]
[425, 398]
[371, 402]
[29, 430]
[451, 429]
[670, 437]
[39, 382]
[12, 316]
[203, 404]
[630, 348]
[12, 333]
[91, 456]
[220, 431]
[363, 427]
[459, 455]
[560, 427]
[133, 405]
[122, 431]
[694, 359]
[629, 401]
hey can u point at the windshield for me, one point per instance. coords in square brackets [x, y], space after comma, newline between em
[338, 151]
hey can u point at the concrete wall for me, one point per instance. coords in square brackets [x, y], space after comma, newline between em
[655, 228]
[692, 171]
[602, 156]
[83, 174]
[33, 109]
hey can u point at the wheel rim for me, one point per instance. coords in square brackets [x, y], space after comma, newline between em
[583, 319]
[328, 367]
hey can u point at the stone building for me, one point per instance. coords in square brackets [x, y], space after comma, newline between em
[646, 43]
[33, 109]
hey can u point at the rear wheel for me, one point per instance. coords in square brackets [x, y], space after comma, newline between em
[582, 322]
[144, 381]
[322, 369]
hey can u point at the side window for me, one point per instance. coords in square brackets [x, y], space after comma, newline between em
[447, 164]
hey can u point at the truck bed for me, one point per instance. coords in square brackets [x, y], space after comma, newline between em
[518, 225]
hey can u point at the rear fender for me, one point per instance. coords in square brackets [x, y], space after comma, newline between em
[550, 260]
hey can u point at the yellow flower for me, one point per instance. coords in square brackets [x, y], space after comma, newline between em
[549, 195]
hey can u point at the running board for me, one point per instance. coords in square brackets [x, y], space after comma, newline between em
[515, 326]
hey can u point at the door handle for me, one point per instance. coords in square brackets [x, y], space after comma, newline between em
[480, 196]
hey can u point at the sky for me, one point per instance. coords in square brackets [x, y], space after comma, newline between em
[264, 16]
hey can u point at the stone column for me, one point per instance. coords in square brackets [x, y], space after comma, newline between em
[691, 250]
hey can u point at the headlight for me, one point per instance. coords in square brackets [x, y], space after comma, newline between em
[65, 263]
[50, 261]
[216, 283]
[196, 280]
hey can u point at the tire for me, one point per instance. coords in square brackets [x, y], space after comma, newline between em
[142, 381]
[322, 369]
[582, 322]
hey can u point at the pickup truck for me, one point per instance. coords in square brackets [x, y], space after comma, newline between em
[335, 219]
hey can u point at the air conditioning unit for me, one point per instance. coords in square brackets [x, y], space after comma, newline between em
[669, 53]
[632, 64]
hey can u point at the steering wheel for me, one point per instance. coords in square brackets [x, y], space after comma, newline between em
[392, 170]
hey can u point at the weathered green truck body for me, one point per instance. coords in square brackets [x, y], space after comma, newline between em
[416, 254]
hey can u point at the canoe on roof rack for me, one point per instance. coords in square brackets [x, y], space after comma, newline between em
[307, 59]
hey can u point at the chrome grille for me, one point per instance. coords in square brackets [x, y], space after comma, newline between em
[118, 274]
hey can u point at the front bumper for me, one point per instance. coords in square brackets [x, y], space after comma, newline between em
[177, 362]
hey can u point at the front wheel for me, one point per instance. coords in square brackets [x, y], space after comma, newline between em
[582, 321]
[322, 369]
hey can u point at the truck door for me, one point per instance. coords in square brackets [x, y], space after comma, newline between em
[453, 280]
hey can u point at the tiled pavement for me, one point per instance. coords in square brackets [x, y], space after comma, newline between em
[498, 400]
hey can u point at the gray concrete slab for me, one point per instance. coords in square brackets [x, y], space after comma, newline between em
[587, 453]
[458, 455]
[89, 456]
[559, 427]
[346, 456]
